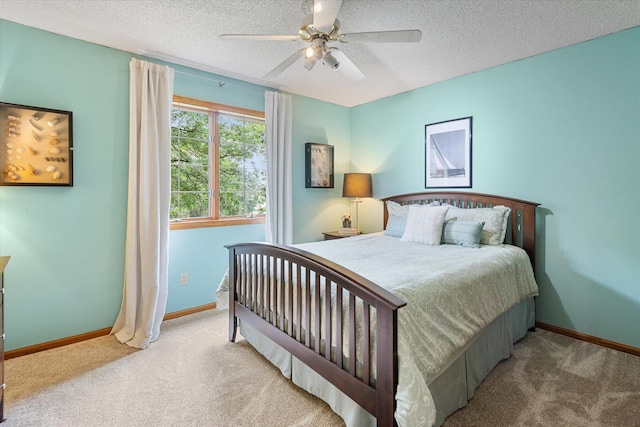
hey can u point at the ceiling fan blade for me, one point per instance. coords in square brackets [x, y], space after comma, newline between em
[276, 37]
[285, 64]
[400, 36]
[347, 67]
[325, 13]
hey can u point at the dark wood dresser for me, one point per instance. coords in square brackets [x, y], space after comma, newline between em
[4, 260]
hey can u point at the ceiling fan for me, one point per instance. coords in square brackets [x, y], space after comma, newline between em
[319, 28]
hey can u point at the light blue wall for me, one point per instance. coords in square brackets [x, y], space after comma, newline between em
[67, 244]
[319, 209]
[561, 129]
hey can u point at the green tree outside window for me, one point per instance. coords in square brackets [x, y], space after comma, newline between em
[240, 165]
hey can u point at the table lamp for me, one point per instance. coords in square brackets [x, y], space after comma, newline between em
[357, 185]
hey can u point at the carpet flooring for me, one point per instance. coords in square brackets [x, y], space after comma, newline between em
[192, 376]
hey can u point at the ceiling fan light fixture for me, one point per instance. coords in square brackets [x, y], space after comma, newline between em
[331, 61]
[309, 63]
[316, 50]
[309, 53]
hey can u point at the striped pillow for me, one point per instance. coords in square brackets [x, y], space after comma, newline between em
[463, 233]
[424, 224]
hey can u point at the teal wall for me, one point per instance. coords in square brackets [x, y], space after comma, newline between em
[67, 244]
[319, 209]
[561, 129]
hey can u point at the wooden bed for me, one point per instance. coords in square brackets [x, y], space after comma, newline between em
[259, 298]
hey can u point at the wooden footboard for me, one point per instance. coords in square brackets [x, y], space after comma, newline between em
[282, 292]
[314, 308]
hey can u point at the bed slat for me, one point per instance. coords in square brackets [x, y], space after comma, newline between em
[307, 306]
[352, 334]
[318, 314]
[339, 328]
[327, 319]
[366, 345]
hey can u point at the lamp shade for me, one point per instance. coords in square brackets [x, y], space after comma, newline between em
[357, 185]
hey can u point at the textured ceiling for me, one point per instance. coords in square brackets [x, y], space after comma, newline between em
[458, 37]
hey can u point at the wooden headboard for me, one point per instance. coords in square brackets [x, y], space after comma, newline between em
[522, 229]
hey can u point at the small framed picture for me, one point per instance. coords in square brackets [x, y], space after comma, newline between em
[448, 154]
[318, 165]
[37, 146]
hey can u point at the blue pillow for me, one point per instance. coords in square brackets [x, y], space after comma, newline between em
[395, 226]
[463, 233]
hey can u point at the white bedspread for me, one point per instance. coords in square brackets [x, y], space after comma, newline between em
[452, 292]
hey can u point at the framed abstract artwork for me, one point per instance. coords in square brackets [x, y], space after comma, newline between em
[448, 154]
[318, 165]
[37, 145]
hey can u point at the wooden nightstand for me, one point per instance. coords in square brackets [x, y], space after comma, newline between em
[331, 235]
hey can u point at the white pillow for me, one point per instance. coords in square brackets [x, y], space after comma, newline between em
[397, 209]
[397, 219]
[424, 224]
[495, 221]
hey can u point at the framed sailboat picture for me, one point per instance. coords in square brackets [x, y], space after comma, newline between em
[448, 154]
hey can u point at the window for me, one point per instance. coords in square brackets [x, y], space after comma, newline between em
[218, 164]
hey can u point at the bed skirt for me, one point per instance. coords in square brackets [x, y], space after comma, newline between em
[451, 390]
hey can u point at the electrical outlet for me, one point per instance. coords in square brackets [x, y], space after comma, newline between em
[184, 279]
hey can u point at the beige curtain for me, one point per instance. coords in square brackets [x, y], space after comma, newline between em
[147, 240]
[279, 217]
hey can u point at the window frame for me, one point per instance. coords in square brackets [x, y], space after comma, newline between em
[215, 220]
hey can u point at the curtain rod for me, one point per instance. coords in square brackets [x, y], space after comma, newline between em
[222, 83]
[178, 61]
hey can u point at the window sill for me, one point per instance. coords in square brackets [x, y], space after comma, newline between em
[203, 223]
